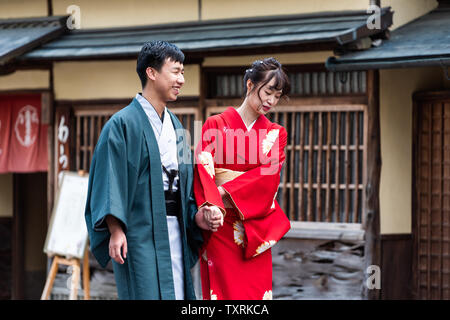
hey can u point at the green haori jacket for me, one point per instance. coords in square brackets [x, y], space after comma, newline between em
[125, 181]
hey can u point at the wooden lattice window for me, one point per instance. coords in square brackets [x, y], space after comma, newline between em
[326, 83]
[90, 121]
[306, 81]
[88, 125]
[323, 178]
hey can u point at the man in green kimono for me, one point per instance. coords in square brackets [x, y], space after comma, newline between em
[140, 209]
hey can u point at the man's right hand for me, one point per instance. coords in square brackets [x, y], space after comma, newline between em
[117, 241]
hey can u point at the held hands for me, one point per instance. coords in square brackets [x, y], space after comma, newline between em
[209, 218]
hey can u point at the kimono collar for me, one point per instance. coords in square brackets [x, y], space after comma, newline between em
[234, 120]
[153, 117]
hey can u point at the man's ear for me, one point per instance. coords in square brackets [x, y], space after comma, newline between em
[151, 73]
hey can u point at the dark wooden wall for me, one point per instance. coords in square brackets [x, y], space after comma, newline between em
[396, 266]
[5, 258]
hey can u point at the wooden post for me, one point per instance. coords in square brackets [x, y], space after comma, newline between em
[75, 264]
[372, 247]
[86, 275]
[50, 279]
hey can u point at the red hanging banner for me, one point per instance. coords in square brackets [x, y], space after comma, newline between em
[23, 137]
[5, 130]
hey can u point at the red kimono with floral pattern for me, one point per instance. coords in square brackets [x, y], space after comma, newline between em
[236, 260]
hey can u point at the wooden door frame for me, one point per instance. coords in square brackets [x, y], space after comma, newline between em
[17, 246]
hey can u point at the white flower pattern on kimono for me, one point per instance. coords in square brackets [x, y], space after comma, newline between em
[238, 233]
[264, 246]
[269, 140]
[267, 295]
[206, 159]
[213, 296]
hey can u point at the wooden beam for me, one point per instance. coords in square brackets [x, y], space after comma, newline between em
[18, 255]
[372, 201]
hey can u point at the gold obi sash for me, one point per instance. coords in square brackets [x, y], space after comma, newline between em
[222, 176]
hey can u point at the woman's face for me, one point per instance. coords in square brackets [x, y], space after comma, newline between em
[268, 97]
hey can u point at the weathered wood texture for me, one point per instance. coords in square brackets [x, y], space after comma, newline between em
[102, 283]
[431, 188]
[372, 190]
[5, 258]
[396, 266]
[318, 269]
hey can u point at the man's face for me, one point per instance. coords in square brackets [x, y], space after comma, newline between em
[169, 80]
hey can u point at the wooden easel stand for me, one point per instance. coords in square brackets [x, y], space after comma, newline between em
[75, 263]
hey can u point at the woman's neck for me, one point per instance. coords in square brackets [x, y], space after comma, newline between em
[247, 113]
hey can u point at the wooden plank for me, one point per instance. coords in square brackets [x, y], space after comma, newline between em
[372, 247]
[326, 230]
[306, 105]
[337, 163]
[99, 126]
[291, 214]
[92, 142]
[430, 161]
[356, 167]
[92, 111]
[85, 139]
[347, 168]
[341, 186]
[365, 157]
[284, 184]
[328, 171]
[319, 216]
[445, 203]
[441, 200]
[301, 204]
[310, 167]
[50, 279]
[77, 144]
[317, 269]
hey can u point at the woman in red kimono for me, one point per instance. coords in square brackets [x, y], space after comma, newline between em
[238, 163]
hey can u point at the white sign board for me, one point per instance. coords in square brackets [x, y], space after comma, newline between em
[67, 234]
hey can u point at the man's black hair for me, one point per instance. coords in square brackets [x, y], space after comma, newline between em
[154, 54]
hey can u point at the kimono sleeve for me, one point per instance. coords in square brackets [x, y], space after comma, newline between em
[253, 193]
[205, 189]
[108, 188]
